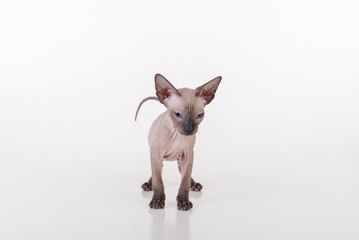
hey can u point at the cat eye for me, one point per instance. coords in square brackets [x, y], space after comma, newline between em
[178, 114]
[199, 115]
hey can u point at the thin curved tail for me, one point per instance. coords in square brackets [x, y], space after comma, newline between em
[144, 100]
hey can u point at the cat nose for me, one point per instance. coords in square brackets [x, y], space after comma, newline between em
[188, 130]
[188, 127]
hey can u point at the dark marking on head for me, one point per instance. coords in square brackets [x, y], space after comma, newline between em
[189, 124]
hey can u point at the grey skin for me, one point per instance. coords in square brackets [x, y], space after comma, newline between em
[173, 134]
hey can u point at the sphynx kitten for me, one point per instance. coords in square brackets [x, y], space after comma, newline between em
[172, 136]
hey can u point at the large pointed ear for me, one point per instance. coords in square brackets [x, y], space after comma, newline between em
[208, 90]
[164, 89]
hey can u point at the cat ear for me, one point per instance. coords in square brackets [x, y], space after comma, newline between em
[208, 90]
[164, 89]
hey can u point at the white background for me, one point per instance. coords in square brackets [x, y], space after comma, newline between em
[277, 152]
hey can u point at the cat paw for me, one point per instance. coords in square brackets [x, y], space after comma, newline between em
[183, 204]
[197, 187]
[146, 187]
[157, 202]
